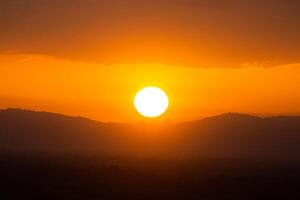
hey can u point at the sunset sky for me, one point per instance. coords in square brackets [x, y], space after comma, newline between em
[90, 57]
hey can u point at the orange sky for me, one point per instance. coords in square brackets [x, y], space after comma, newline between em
[90, 57]
[106, 93]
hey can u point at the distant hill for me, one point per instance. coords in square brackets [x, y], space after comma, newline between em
[29, 131]
[226, 135]
[241, 135]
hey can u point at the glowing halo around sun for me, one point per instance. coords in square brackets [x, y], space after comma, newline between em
[151, 102]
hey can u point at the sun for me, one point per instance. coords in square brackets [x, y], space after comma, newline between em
[151, 102]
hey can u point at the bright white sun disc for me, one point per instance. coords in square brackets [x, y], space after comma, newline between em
[151, 102]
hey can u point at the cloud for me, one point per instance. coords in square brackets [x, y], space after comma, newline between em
[180, 33]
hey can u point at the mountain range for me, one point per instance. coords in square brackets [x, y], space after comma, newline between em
[229, 135]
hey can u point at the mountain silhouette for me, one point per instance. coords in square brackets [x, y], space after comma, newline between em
[229, 156]
[227, 135]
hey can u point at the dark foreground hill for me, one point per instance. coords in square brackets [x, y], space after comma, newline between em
[231, 156]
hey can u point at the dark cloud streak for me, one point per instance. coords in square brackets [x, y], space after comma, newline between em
[189, 33]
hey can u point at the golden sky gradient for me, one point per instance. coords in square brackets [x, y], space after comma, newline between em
[106, 93]
[90, 57]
